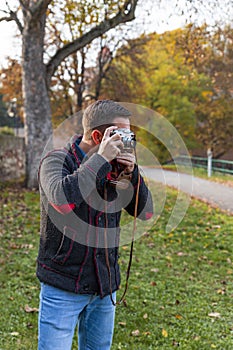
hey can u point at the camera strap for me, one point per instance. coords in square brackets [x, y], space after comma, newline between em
[122, 299]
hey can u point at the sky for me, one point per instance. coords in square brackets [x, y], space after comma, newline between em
[9, 44]
[160, 18]
[157, 20]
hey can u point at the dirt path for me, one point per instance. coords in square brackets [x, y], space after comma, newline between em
[217, 195]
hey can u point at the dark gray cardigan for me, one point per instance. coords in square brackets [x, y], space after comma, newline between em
[72, 254]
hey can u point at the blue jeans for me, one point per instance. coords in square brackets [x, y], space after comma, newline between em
[61, 311]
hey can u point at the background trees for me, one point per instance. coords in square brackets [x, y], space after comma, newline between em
[185, 74]
[38, 68]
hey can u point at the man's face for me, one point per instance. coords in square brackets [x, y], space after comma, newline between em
[121, 123]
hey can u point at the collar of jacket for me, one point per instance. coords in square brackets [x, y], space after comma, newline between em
[73, 147]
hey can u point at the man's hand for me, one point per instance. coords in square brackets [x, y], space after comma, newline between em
[128, 161]
[110, 146]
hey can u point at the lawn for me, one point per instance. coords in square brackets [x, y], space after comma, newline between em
[180, 292]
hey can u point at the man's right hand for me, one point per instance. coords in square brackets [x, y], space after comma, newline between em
[110, 146]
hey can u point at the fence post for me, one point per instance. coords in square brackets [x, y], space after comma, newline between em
[209, 166]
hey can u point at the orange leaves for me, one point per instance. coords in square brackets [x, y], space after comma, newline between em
[178, 317]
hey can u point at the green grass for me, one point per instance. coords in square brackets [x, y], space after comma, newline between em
[180, 290]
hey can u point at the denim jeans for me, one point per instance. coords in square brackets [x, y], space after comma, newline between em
[61, 311]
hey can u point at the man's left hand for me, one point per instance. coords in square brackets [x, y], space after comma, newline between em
[128, 161]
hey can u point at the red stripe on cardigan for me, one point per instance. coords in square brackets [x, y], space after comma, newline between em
[64, 208]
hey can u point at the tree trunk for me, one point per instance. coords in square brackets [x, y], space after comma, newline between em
[37, 77]
[37, 111]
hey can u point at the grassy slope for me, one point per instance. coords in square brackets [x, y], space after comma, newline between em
[180, 291]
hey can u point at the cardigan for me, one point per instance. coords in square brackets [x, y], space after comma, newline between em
[80, 220]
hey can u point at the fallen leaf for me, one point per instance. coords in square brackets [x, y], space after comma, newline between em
[145, 234]
[221, 291]
[14, 334]
[175, 343]
[214, 314]
[153, 284]
[164, 333]
[196, 337]
[146, 333]
[150, 245]
[123, 324]
[29, 309]
[135, 333]
[155, 270]
[145, 316]
[179, 317]
[180, 253]
[26, 246]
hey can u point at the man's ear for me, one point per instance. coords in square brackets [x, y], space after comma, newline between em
[96, 136]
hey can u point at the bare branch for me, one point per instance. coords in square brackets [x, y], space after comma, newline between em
[12, 16]
[7, 19]
[125, 14]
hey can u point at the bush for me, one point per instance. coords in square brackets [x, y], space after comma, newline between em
[6, 130]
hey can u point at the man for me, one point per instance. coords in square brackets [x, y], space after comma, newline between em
[80, 214]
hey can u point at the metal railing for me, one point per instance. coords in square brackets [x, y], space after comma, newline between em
[219, 165]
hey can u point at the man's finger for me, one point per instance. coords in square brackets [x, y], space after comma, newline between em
[108, 132]
[123, 156]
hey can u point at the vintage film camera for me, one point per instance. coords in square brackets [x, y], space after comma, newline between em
[128, 138]
[118, 176]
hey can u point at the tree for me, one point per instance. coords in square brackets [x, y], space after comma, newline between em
[210, 52]
[11, 84]
[155, 77]
[37, 73]
[123, 79]
[185, 75]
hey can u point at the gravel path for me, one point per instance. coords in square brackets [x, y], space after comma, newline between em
[217, 195]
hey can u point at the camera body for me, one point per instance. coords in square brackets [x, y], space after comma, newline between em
[118, 176]
[128, 139]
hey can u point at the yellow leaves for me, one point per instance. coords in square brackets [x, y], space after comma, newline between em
[207, 94]
[164, 333]
[169, 258]
[221, 291]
